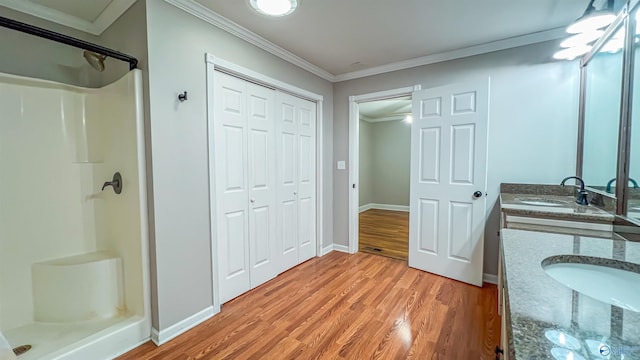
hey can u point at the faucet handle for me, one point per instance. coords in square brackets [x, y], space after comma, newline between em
[116, 183]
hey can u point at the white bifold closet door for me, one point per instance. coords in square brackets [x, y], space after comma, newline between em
[296, 179]
[245, 180]
[264, 147]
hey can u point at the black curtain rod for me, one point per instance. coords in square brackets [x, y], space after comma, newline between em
[68, 40]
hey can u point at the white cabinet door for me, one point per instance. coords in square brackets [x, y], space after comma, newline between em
[287, 180]
[306, 111]
[448, 180]
[231, 193]
[262, 184]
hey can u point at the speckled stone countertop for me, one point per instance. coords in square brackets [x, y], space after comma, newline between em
[511, 204]
[537, 305]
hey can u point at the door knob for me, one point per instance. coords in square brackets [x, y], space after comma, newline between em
[477, 194]
[295, 193]
[253, 200]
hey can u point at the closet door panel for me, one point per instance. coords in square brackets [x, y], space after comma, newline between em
[262, 184]
[287, 180]
[306, 112]
[231, 193]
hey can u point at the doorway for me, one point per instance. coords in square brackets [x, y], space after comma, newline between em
[448, 174]
[384, 168]
[372, 104]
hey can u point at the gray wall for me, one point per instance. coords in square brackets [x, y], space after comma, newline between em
[365, 144]
[392, 160]
[31, 56]
[532, 122]
[177, 43]
[385, 159]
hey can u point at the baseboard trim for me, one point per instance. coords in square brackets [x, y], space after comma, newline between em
[161, 337]
[325, 250]
[341, 248]
[490, 278]
[383, 207]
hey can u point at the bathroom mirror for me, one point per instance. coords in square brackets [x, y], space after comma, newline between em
[633, 193]
[603, 94]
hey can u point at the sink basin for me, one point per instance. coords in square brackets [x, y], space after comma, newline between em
[541, 201]
[605, 282]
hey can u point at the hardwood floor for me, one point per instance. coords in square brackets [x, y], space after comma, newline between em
[384, 232]
[345, 306]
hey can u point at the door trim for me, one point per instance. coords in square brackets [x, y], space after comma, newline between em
[354, 154]
[216, 64]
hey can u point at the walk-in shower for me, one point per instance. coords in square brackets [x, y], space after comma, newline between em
[73, 218]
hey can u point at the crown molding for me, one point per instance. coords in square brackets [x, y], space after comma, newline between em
[204, 13]
[108, 16]
[513, 42]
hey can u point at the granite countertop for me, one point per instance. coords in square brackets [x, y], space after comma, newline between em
[511, 204]
[539, 308]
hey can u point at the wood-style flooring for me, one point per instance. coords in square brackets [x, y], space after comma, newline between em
[385, 233]
[343, 306]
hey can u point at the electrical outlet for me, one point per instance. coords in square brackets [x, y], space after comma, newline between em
[341, 165]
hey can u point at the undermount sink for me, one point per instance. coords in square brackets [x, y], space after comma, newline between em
[610, 281]
[536, 201]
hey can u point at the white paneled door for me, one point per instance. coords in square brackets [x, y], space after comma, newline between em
[261, 165]
[306, 180]
[264, 151]
[245, 184]
[448, 180]
[295, 133]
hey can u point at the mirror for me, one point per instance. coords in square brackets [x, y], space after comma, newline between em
[603, 96]
[633, 193]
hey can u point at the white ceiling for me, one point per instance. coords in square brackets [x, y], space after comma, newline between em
[344, 39]
[91, 16]
[385, 110]
[343, 36]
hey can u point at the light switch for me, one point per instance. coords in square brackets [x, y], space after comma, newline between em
[342, 165]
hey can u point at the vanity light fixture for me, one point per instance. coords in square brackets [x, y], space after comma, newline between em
[572, 52]
[587, 29]
[274, 8]
[593, 19]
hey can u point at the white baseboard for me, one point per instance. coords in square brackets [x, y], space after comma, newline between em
[161, 337]
[341, 248]
[325, 250]
[490, 278]
[383, 207]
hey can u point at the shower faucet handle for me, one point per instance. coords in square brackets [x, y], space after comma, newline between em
[115, 183]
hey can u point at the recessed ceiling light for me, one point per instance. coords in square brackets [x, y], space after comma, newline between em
[274, 7]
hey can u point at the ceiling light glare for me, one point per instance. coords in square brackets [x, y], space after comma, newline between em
[591, 22]
[408, 119]
[572, 53]
[274, 7]
[582, 39]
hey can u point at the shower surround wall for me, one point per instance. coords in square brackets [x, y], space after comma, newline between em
[58, 145]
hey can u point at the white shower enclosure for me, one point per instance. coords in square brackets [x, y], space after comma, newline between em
[73, 257]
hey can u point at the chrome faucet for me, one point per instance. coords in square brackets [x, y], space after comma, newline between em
[631, 180]
[581, 198]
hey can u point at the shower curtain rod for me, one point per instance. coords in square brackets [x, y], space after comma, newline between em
[68, 40]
